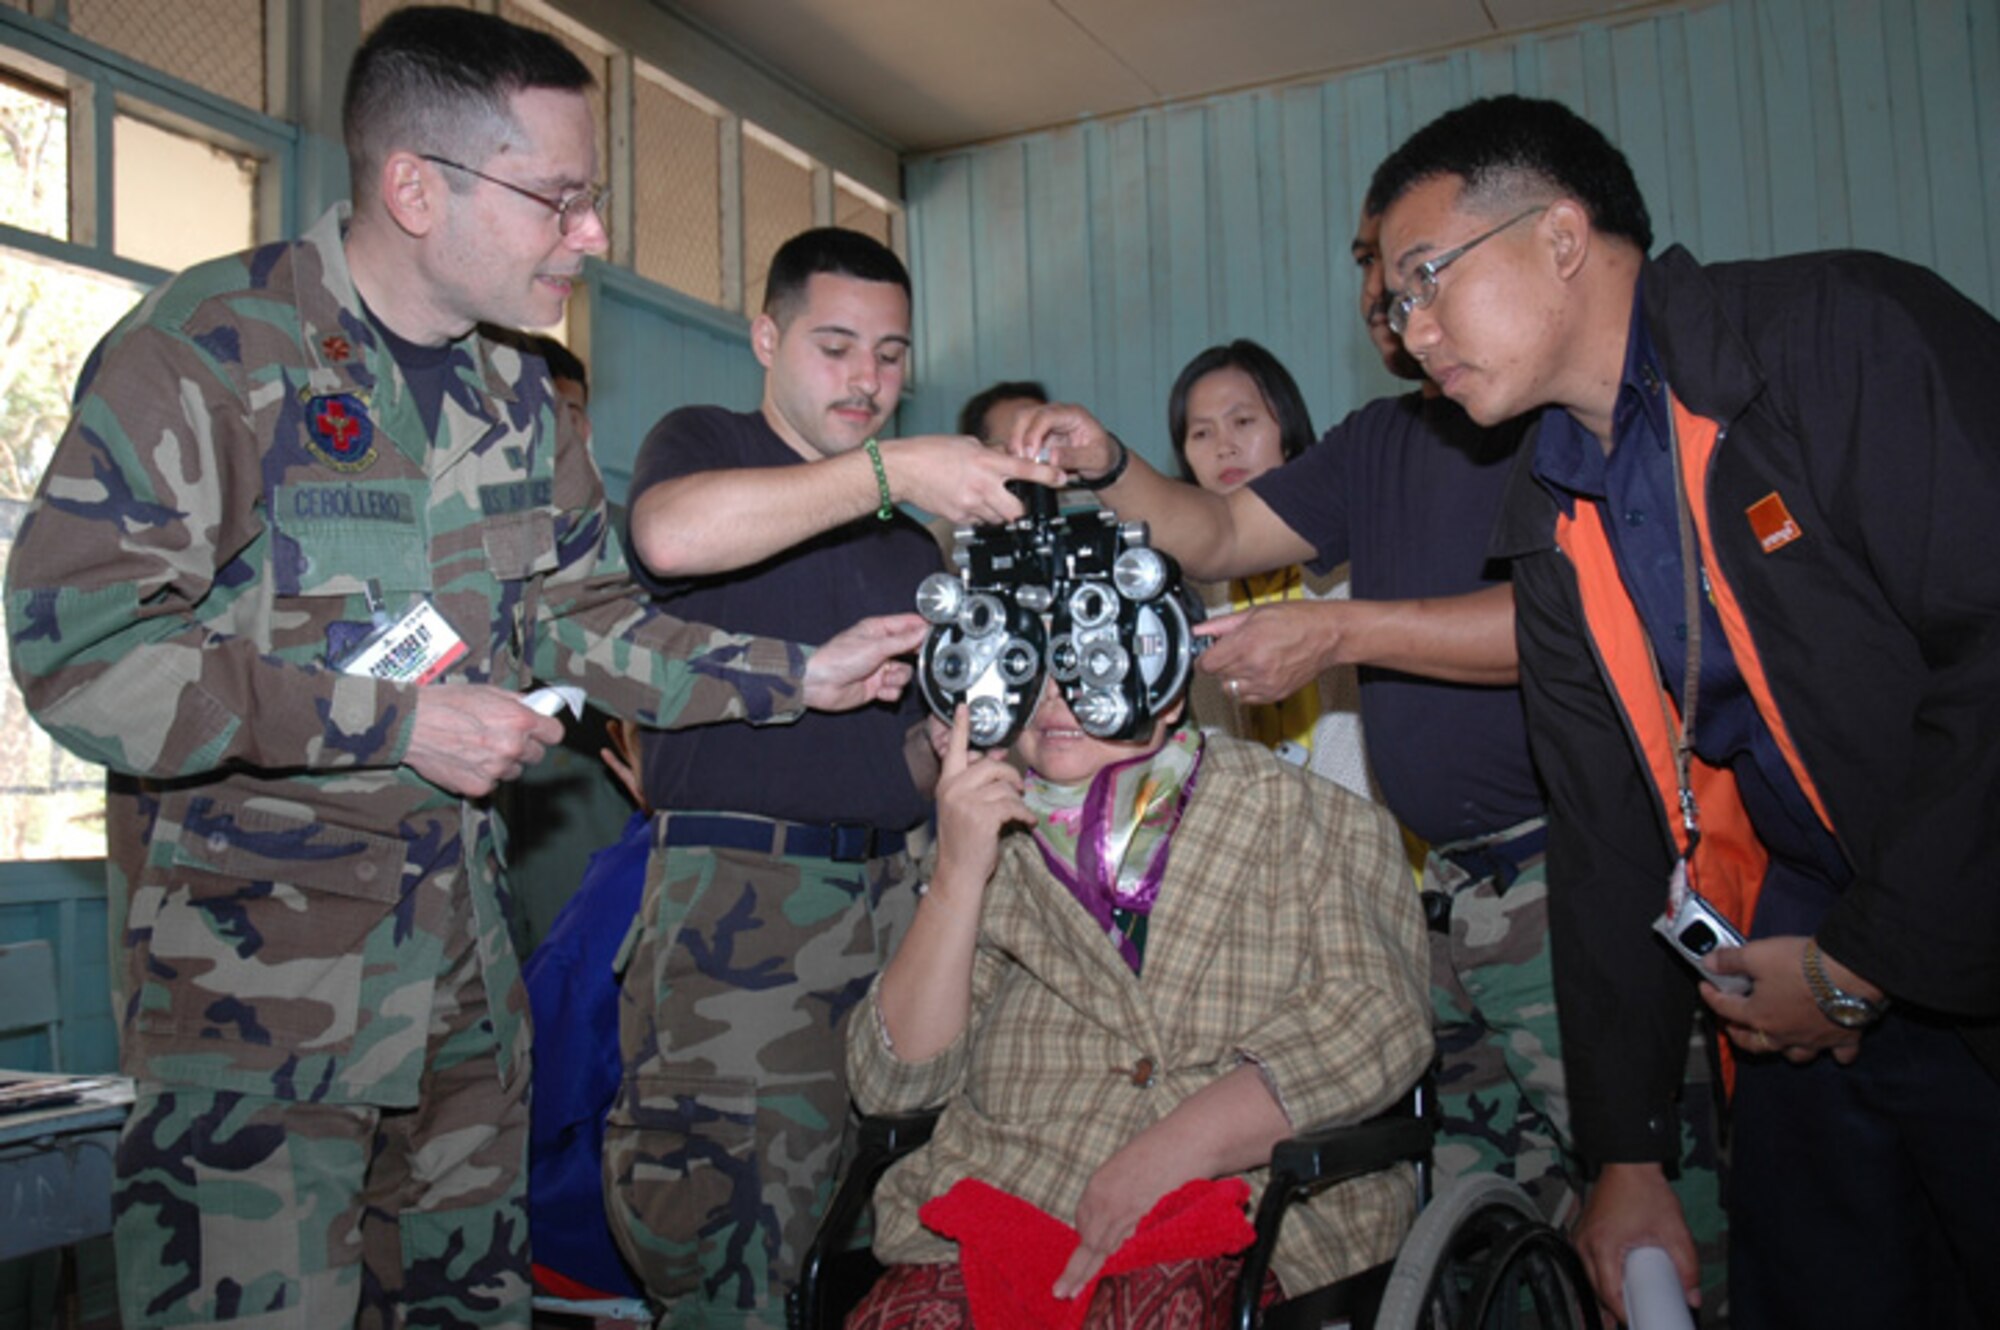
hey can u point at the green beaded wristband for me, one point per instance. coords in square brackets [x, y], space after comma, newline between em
[888, 508]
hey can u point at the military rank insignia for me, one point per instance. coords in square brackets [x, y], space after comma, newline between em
[340, 432]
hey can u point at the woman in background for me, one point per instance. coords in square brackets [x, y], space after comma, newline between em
[1233, 414]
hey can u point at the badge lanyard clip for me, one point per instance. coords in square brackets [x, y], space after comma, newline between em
[377, 611]
[1692, 578]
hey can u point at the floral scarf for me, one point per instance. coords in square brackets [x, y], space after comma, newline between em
[1108, 842]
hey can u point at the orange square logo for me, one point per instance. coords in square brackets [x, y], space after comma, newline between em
[1773, 523]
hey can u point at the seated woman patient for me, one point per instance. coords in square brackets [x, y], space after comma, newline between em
[1141, 963]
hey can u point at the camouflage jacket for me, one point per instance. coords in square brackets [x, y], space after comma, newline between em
[243, 462]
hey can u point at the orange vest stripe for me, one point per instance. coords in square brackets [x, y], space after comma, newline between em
[1698, 436]
[1729, 862]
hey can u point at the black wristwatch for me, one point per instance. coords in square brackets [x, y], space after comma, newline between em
[1109, 477]
[1848, 1010]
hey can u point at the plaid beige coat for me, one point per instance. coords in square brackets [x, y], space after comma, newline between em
[1287, 932]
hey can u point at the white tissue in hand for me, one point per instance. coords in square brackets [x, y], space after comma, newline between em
[554, 698]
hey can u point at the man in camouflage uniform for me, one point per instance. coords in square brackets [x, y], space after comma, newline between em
[281, 464]
[779, 872]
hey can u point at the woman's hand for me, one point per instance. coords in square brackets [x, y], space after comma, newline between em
[1118, 1196]
[926, 991]
[978, 796]
[1228, 1126]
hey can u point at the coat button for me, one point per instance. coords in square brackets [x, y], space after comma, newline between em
[365, 871]
[217, 842]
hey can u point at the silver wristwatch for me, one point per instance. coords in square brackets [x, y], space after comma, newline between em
[1848, 1010]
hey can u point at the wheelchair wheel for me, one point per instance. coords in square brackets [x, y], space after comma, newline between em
[1449, 1260]
[1534, 1278]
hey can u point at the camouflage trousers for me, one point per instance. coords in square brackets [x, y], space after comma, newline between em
[1502, 1101]
[723, 1146]
[261, 1213]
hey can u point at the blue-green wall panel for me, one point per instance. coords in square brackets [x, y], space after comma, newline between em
[1755, 127]
[652, 350]
[63, 901]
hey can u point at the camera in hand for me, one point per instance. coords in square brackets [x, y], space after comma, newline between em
[1078, 597]
[1696, 929]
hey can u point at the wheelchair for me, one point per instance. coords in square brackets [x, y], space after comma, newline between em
[1478, 1255]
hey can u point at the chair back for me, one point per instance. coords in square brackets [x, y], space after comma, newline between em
[28, 997]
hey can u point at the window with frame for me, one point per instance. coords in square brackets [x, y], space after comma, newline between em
[88, 221]
[777, 205]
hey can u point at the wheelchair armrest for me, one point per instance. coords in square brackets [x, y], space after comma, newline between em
[881, 1141]
[1320, 1157]
[890, 1136]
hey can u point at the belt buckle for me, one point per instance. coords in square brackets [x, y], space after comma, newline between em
[852, 842]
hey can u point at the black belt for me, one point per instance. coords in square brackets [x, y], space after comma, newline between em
[842, 842]
[1499, 861]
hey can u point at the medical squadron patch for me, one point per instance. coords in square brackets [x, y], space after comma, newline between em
[340, 432]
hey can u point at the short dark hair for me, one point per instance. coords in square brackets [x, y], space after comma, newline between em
[1509, 146]
[1275, 384]
[438, 79]
[827, 249]
[972, 416]
[563, 363]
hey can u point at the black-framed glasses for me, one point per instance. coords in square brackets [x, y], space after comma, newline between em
[1424, 283]
[570, 209]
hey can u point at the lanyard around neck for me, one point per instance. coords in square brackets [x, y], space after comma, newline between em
[1691, 607]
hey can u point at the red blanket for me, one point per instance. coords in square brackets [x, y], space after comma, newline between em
[1012, 1251]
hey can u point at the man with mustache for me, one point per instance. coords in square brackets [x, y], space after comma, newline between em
[779, 872]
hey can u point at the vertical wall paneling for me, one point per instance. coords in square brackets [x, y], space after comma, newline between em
[1789, 124]
[1197, 203]
[1863, 83]
[653, 350]
[1062, 350]
[1635, 95]
[63, 901]
[1310, 261]
[1984, 49]
[1000, 235]
[1909, 130]
[1105, 253]
[1238, 148]
[1718, 146]
[1683, 166]
[1134, 388]
[1829, 137]
[1951, 143]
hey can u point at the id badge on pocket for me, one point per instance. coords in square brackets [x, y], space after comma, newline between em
[414, 647]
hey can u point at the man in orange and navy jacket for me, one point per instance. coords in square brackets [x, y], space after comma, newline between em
[1824, 431]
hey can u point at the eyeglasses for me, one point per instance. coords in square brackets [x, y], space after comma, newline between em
[1424, 286]
[570, 209]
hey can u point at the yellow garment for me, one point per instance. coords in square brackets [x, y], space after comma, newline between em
[1291, 718]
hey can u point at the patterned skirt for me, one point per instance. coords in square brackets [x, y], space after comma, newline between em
[1176, 1295]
